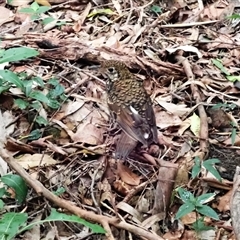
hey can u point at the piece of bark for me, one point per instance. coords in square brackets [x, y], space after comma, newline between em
[166, 177]
[235, 204]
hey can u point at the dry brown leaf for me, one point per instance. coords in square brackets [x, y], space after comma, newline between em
[3, 167]
[185, 148]
[228, 142]
[150, 221]
[136, 216]
[216, 11]
[185, 48]
[5, 15]
[182, 177]
[224, 202]
[117, 6]
[88, 133]
[18, 3]
[179, 110]
[189, 218]
[5, 119]
[144, 204]
[150, 159]
[121, 187]
[43, 3]
[88, 201]
[34, 233]
[209, 234]
[107, 194]
[175, 235]
[137, 31]
[223, 41]
[36, 160]
[78, 25]
[189, 234]
[15, 146]
[127, 175]
[165, 120]
[71, 107]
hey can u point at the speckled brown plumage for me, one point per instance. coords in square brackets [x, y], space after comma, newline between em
[129, 103]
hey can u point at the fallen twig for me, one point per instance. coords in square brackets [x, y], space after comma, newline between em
[196, 95]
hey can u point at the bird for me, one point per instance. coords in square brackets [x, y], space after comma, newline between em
[130, 106]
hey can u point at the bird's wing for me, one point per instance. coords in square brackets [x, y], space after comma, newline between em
[131, 122]
[150, 116]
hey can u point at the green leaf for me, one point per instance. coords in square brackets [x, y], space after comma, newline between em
[36, 105]
[22, 104]
[47, 20]
[18, 54]
[233, 78]
[57, 91]
[219, 65]
[39, 96]
[1, 204]
[106, 11]
[185, 195]
[42, 9]
[195, 171]
[233, 135]
[211, 161]
[184, 210]
[61, 23]
[35, 134]
[27, 87]
[27, 10]
[54, 104]
[56, 216]
[60, 191]
[2, 192]
[53, 81]
[63, 98]
[156, 9]
[35, 6]
[1, 52]
[18, 184]
[35, 16]
[209, 165]
[207, 211]
[42, 121]
[39, 81]
[224, 106]
[200, 226]
[11, 77]
[213, 171]
[196, 168]
[204, 198]
[4, 88]
[234, 16]
[10, 224]
[218, 106]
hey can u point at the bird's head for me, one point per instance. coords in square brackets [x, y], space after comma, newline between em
[115, 70]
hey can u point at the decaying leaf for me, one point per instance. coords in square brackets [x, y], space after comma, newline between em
[36, 160]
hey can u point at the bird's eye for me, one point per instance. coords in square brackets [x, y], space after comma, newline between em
[111, 69]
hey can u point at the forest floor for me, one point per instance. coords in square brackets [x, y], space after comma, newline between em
[58, 140]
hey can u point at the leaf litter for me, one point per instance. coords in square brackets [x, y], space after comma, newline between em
[186, 53]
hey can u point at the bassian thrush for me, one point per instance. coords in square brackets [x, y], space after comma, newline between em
[130, 106]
